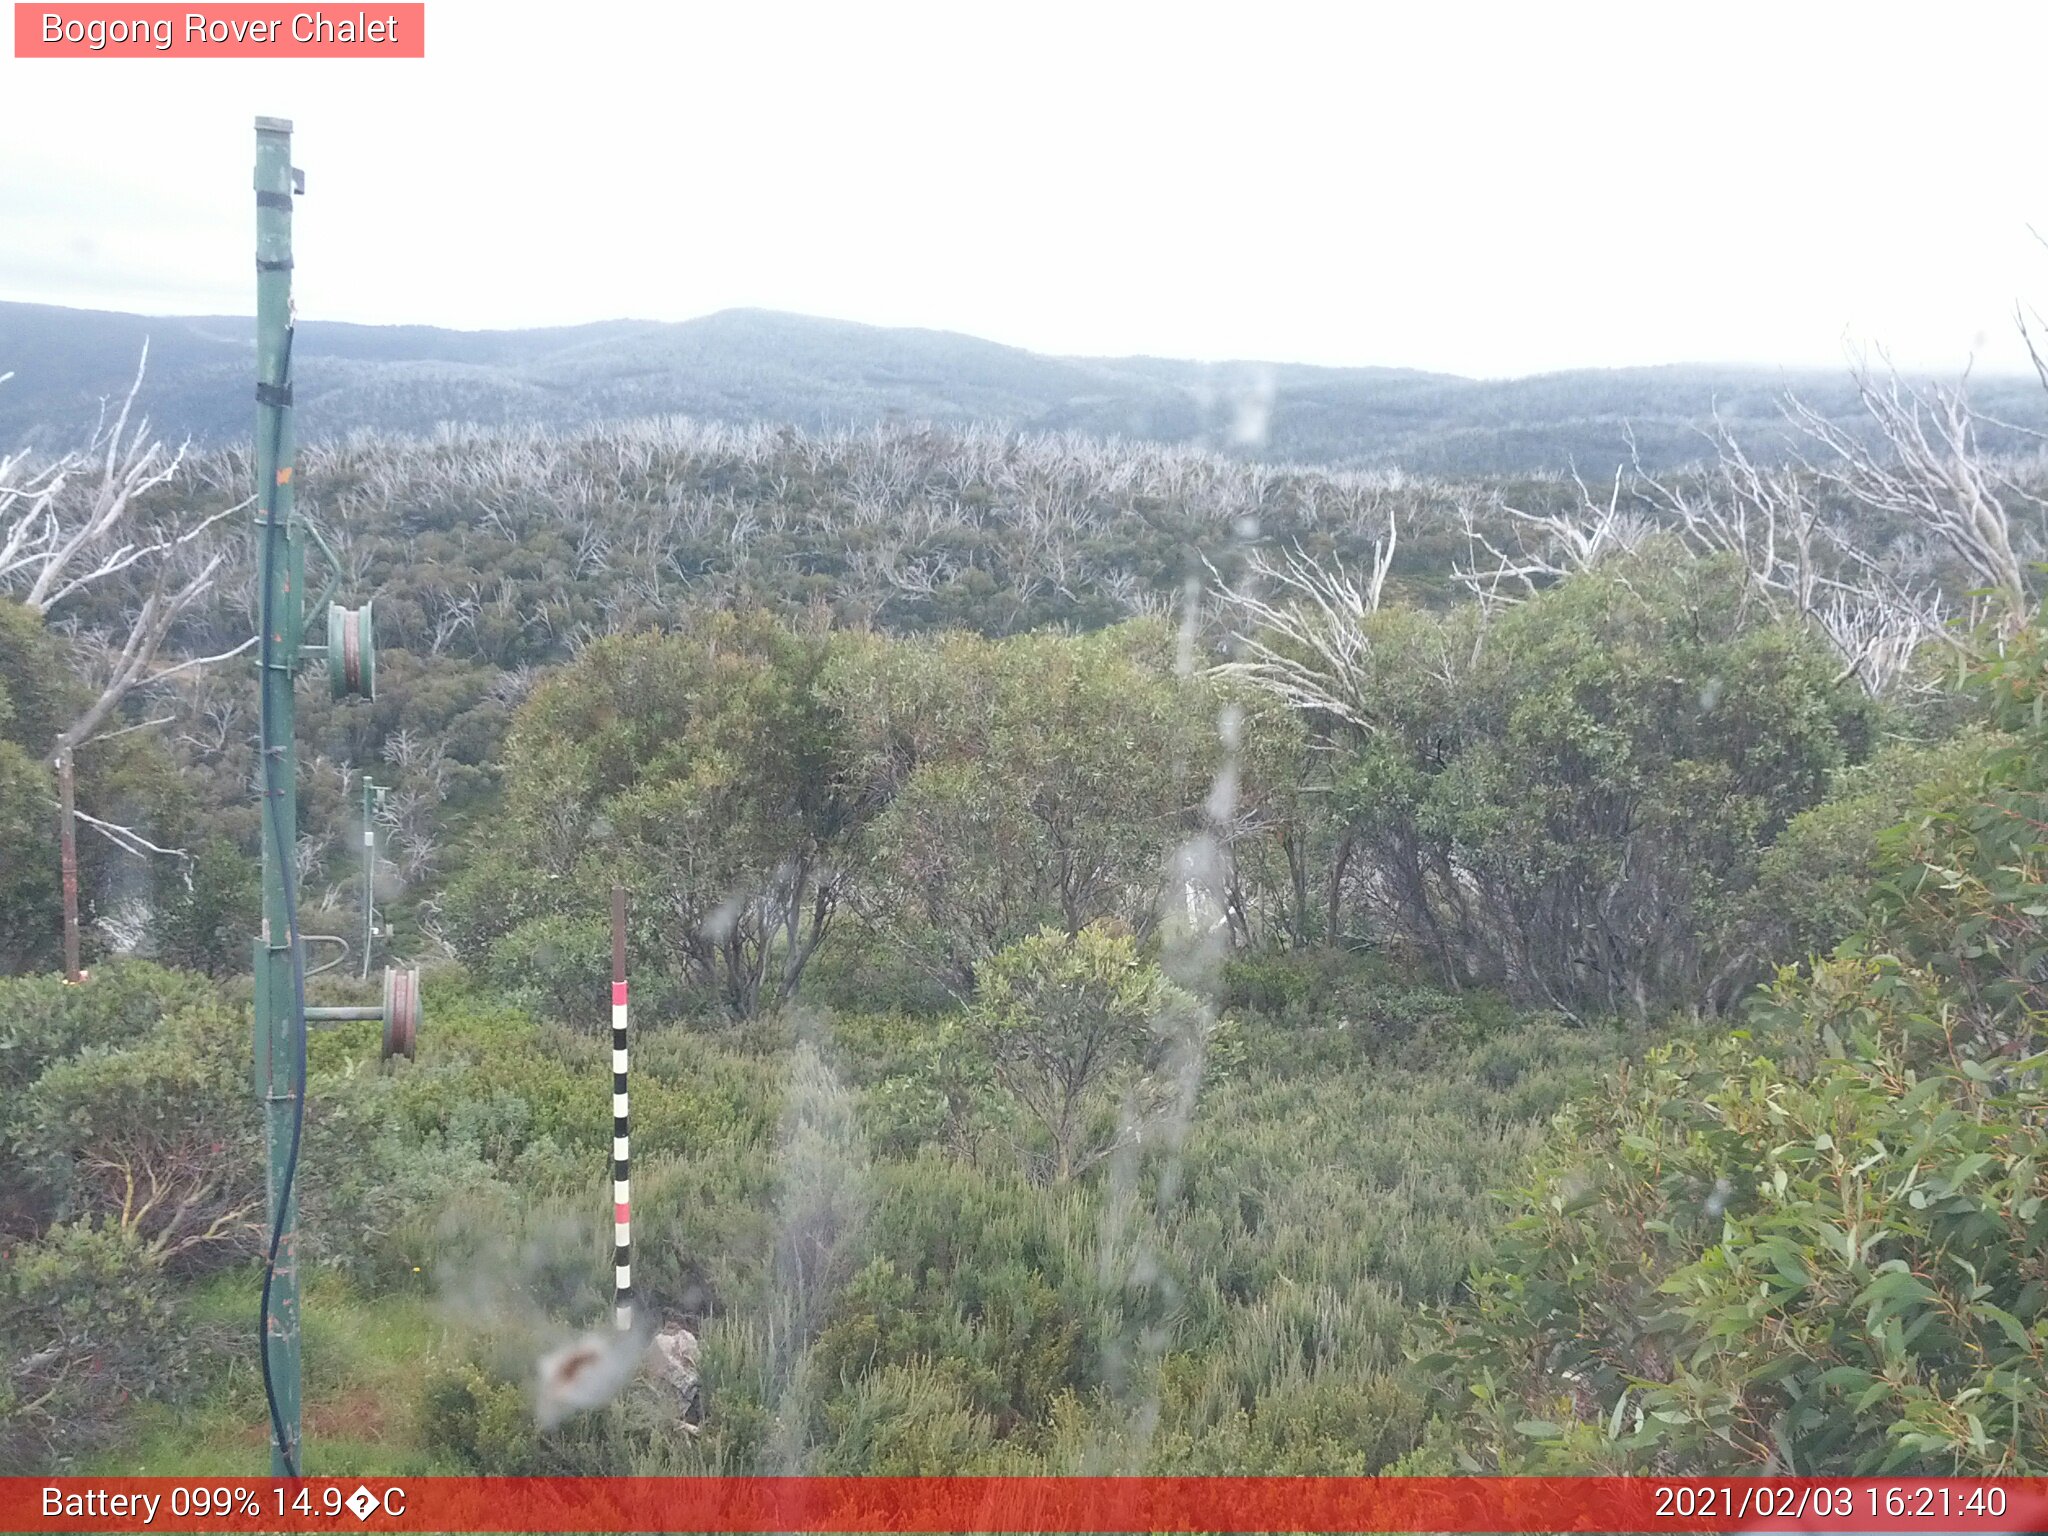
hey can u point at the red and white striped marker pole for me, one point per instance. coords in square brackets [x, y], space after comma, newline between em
[622, 1222]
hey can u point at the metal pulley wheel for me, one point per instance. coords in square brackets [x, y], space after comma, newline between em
[351, 652]
[401, 1012]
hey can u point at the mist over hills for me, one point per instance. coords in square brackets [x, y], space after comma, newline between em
[755, 365]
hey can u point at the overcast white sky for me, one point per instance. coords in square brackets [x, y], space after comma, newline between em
[1477, 188]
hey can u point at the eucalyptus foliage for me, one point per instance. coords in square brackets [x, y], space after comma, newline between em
[1813, 1244]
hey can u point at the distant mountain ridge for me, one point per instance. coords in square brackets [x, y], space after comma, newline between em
[758, 365]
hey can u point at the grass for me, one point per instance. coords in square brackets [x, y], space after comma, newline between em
[1335, 1183]
[363, 1359]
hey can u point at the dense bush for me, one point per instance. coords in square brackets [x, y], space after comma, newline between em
[1570, 800]
[158, 1137]
[1804, 1248]
[87, 1324]
[865, 1296]
[1086, 1044]
[756, 786]
[978, 1276]
[207, 924]
[921, 1146]
[128, 1159]
[507, 1109]
[1816, 882]
[1335, 989]
[1812, 1245]
[704, 768]
[1033, 781]
[45, 1023]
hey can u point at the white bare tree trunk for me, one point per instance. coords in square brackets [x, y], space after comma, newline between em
[65, 527]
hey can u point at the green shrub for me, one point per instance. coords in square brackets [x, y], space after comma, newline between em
[206, 926]
[865, 970]
[485, 1425]
[1273, 982]
[1567, 802]
[1379, 1008]
[559, 966]
[1815, 882]
[703, 1228]
[1084, 1042]
[87, 1326]
[30, 895]
[499, 1102]
[1804, 1248]
[1813, 1245]
[158, 1135]
[905, 1421]
[43, 1020]
[1330, 1420]
[979, 1272]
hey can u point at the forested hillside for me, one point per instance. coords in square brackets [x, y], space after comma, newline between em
[1143, 960]
[750, 366]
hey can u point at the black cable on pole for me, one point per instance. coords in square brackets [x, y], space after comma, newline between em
[273, 795]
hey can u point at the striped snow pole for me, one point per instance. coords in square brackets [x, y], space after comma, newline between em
[622, 1223]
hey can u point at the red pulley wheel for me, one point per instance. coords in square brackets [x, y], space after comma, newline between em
[351, 652]
[401, 1012]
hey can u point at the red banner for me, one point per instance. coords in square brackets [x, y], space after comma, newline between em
[1062, 1504]
[376, 31]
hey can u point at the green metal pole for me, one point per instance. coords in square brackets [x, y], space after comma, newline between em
[280, 1029]
[369, 874]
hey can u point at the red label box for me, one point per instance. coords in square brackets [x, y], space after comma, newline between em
[233, 31]
[750, 1506]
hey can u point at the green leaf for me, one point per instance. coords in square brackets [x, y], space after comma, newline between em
[2015, 1331]
[1614, 1419]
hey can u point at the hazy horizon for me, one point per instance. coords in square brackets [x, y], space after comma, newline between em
[2001, 368]
[1479, 190]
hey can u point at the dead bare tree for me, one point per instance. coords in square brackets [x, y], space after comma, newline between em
[1771, 520]
[409, 808]
[1548, 545]
[1767, 517]
[1878, 633]
[512, 685]
[1923, 468]
[1929, 470]
[221, 717]
[66, 527]
[1307, 644]
[455, 614]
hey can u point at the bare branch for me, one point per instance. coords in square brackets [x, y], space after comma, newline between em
[192, 662]
[127, 839]
[140, 725]
[1549, 545]
[1930, 473]
[1803, 566]
[1308, 646]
